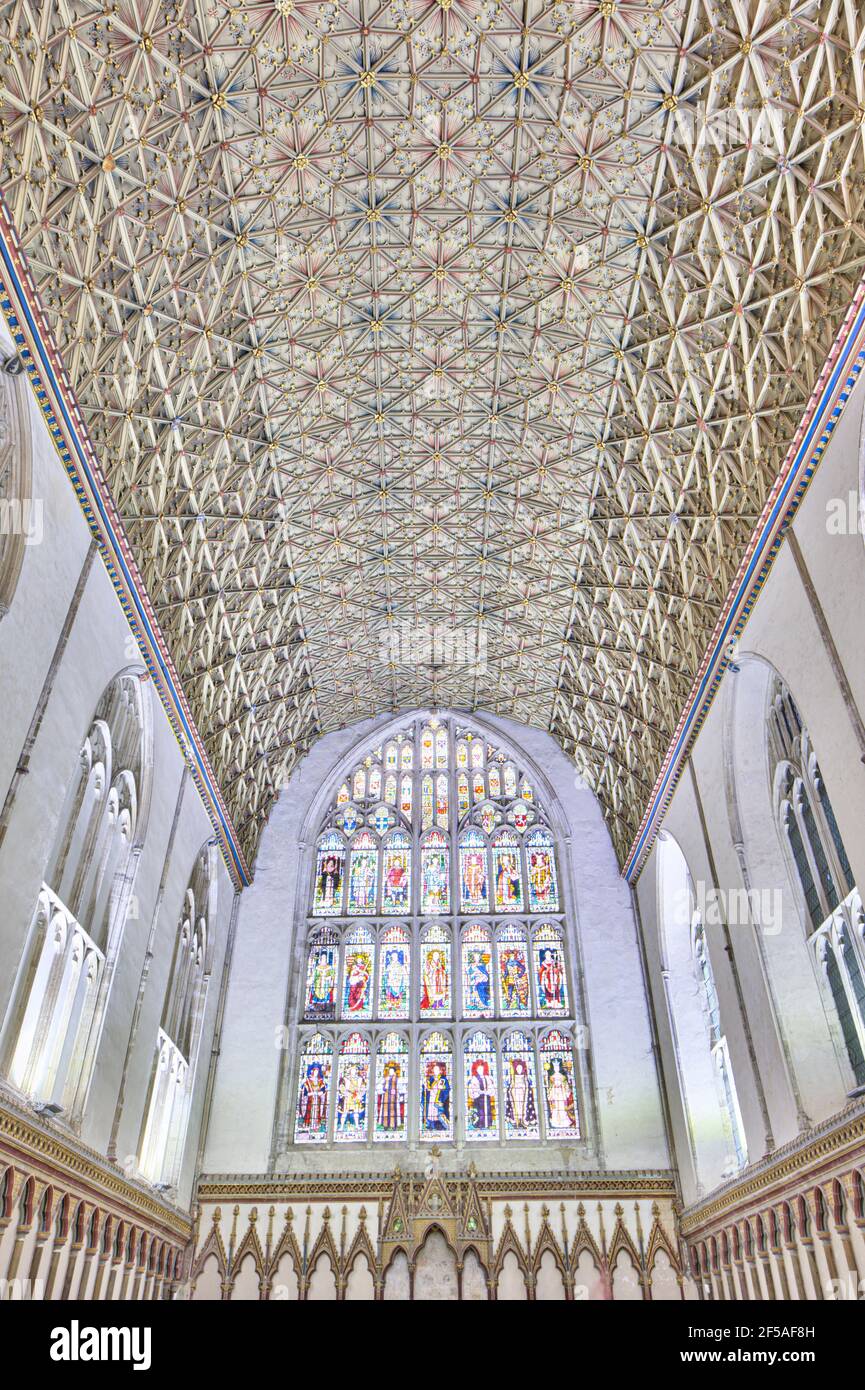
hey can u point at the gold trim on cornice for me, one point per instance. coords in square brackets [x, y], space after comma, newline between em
[835, 1142]
[25, 1144]
[213, 1188]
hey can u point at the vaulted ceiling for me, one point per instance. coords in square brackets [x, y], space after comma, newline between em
[438, 351]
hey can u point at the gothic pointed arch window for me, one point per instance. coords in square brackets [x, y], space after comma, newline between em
[705, 1072]
[820, 867]
[435, 1000]
[180, 1028]
[55, 1019]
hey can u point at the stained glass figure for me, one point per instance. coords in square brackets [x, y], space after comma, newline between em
[477, 752]
[478, 786]
[426, 803]
[321, 965]
[551, 982]
[357, 975]
[462, 753]
[513, 972]
[352, 1087]
[441, 747]
[329, 876]
[474, 878]
[342, 795]
[391, 1086]
[405, 757]
[442, 800]
[435, 973]
[375, 783]
[363, 874]
[488, 816]
[427, 749]
[520, 1089]
[359, 784]
[390, 756]
[396, 874]
[313, 1091]
[477, 972]
[462, 794]
[394, 973]
[507, 872]
[405, 797]
[436, 1077]
[557, 1068]
[435, 894]
[390, 789]
[482, 1103]
[495, 781]
[540, 858]
[510, 779]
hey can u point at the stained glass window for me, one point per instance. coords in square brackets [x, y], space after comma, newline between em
[394, 970]
[385, 961]
[551, 982]
[441, 747]
[363, 874]
[391, 1087]
[352, 1088]
[481, 1083]
[313, 1091]
[477, 972]
[474, 877]
[435, 973]
[520, 1087]
[435, 894]
[436, 1088]
[442, 801]
[507, 872]
[513, 972]
[357, 974]
[321, 967]
[396, 874]
[329, 876]
[557, 1067]
[541, 862]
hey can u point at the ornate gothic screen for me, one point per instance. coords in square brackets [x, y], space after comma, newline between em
[437, 1002]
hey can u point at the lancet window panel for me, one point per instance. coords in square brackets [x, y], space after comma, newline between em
[436, 923]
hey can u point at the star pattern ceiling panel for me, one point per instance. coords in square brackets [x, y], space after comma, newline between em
[438, 351]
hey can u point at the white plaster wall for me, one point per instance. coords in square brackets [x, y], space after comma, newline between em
[783, 631]
[100, 645]
[627, 1100]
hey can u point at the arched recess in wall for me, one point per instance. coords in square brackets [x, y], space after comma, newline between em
[179, 1035]
[20, 518]
[799, 896]
[703, 1065]
[55, 1017]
